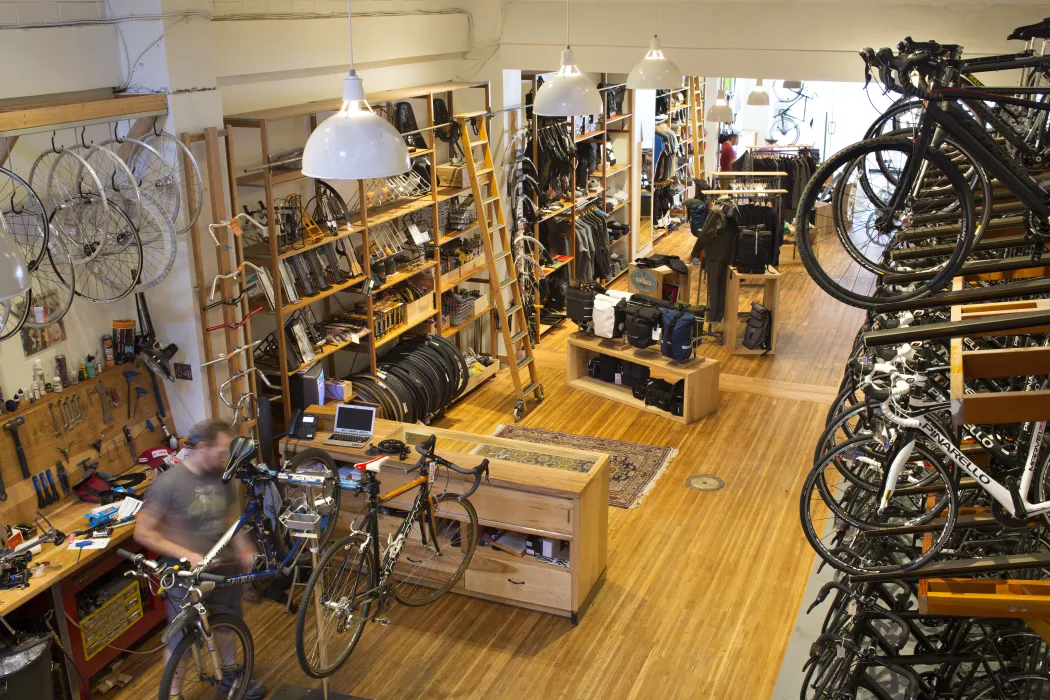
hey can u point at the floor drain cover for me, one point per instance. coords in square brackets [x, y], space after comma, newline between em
[704, 482]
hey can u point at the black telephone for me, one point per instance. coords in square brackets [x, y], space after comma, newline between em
[303, 425]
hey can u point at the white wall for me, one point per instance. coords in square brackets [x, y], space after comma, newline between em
[763, 38]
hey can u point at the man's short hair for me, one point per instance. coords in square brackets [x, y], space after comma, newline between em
[208, 431]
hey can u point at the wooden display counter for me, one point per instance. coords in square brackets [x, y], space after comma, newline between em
[540, 499]
[770, 281]
[700, 375]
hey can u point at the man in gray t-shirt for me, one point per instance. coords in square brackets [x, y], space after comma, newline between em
[186, 511]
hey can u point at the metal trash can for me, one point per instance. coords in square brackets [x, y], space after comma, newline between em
[25, 670]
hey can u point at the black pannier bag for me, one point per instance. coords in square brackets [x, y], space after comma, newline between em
[757, 333]
[640, 323]
[754, 250]
[579, 305]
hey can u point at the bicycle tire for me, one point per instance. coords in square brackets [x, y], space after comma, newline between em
[309, 610]
[808, 202]
[997, 684]
[331, 492]
[218, 620]
[435, 576]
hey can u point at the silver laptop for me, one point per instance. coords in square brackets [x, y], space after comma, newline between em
[354, 426]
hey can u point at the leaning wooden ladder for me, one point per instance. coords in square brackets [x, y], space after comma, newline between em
[502, 272]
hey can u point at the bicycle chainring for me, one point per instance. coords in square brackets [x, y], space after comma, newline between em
[1004, 518]
[1035, 228]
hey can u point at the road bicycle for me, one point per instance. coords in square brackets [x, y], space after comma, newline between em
[216, 655]
[428, 548]
[903, 207]
[785, 126]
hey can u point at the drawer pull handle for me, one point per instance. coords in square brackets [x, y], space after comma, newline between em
[516, 583]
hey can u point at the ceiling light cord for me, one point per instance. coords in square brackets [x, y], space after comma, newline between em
[350, 21]
[567, 20]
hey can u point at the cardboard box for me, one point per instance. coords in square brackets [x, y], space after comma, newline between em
[824, 220]
[339, 390]
[453, 176]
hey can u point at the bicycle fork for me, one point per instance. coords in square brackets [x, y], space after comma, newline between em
[894, 473]
[209, 642]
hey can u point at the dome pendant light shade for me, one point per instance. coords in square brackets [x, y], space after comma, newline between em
[355, 143]
[758, 97]
[654, 72]
[14, 276]
[720, 111]
[792, 84]
[569, 93]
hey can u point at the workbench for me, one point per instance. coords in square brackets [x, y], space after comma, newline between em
[545, 499]
[68, 573]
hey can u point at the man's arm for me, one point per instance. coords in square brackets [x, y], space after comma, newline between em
[150, 534]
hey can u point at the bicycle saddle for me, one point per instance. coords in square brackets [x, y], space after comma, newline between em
[1032, 31]
[242, 450]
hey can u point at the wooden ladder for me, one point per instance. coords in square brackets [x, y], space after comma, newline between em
[502, 273]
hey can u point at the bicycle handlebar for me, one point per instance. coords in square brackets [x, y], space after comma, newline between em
[426, 451]
[140, 560]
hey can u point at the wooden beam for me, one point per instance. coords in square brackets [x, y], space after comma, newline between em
[1001, 407]
[57, 115]
[6, 146]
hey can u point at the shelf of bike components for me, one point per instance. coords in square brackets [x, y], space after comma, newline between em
[770, 283]
[700, 375]
[358, 229]
[567, 508]
[69, 432]
[611, 178]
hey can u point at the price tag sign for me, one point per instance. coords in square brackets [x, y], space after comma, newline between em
[431, 472]
[235, 226]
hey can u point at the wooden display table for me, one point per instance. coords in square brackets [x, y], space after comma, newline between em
[700, 375]
[532, 498]
[770, 280]
[651, 280]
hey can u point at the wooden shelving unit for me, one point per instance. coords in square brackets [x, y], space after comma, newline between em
[277, 183]
[697, 102]
[610, 177]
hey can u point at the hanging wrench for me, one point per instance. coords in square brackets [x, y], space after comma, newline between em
[80, 409]
[65, 414]
[54, 421]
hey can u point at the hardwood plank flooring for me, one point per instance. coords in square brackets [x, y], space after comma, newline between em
[702, 588]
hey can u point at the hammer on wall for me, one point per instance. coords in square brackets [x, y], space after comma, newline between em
[12, 427]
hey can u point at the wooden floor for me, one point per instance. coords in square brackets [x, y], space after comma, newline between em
[702, 587]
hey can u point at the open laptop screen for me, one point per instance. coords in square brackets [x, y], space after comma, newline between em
[354, 419]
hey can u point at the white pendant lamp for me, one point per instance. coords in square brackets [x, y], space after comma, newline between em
[654, 71]
[354, 143]
[758, 97]
[569, 93]
[792, 84]
[720, 111]
[14, 275]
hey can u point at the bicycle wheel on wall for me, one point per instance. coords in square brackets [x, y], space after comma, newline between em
[854, 260]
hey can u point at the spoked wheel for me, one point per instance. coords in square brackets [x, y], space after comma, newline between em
[434, 558]
[843, 521]
[1016, 687]
[116, 178]
[157, 235]
[785, 131]
[13, 313]
[323, 500]
[52, 283]
[114, 271]
[854, 260]
[24, 217]
[71, 184]
[189, 672]
[187, 177]
[155, 176]
[334, 607]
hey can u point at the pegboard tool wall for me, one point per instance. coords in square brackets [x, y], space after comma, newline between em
[42, 448]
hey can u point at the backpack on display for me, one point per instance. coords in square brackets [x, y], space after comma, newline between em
[677, 340]
[636, 377]
[659, 393]
[640, 325]
[759, 328]
[678, 398]
[579, 305]
[609, 368]
[754, 250]
[608, 316]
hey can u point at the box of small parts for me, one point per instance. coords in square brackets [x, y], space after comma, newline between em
[121, 607]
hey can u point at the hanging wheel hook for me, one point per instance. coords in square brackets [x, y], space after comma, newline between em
[53, 146]
[116, 132]
[155, 131]
[83, 135]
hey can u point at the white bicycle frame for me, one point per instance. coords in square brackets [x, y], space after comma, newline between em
[996, 490]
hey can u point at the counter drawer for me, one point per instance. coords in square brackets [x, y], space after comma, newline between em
[539, 584]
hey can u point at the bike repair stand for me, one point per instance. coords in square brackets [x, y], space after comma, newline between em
[308, 526]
